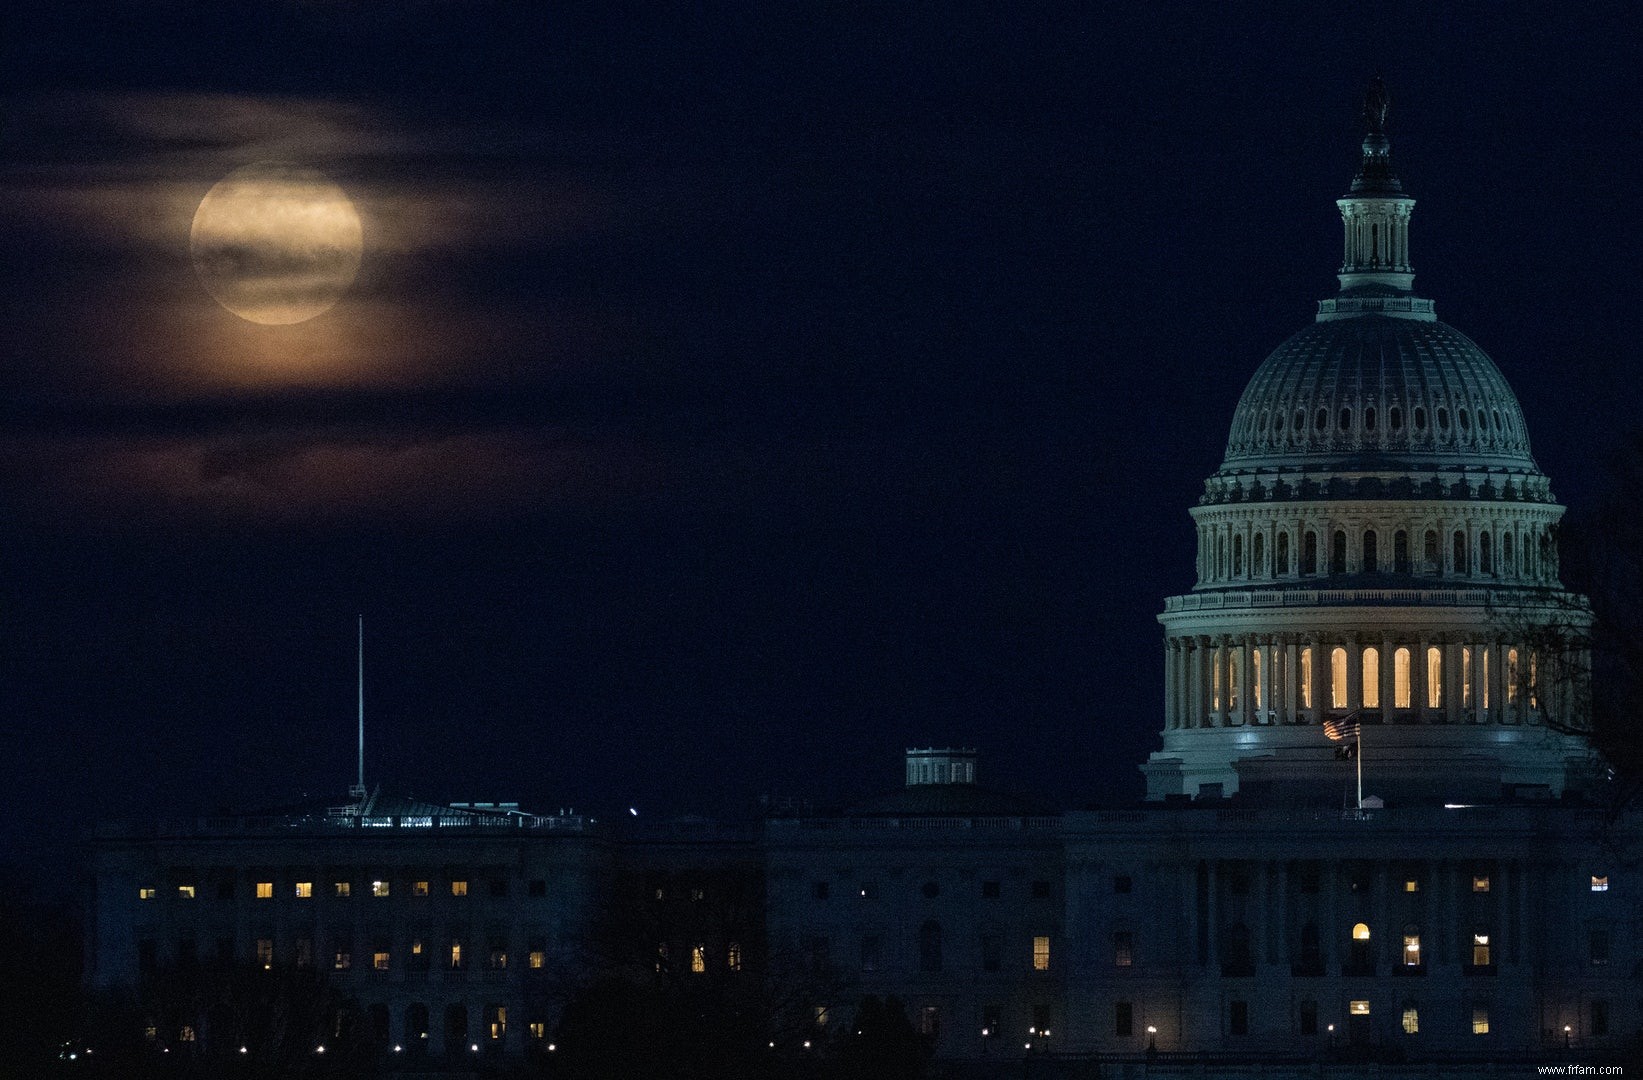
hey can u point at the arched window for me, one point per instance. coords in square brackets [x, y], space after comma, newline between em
[1512, 677]
[1394, 417]
[1311, 947]
[1220, 554]
[929, 946]
[1337, 552]
[1346, 420]
[1237, 556]
[1420, 418]
[1361, 958]
[1460, 552]
[1400, 552]
[1507, 564]
[1433, 564]
[1371, 554]
[416, 1021]
[1369, 418]
[1309, 553]
[1321, 421]
[1371, 678]
[456, 1025]
[1400, 679]
[1257, 559]
[1486, 558]
[1337, 678]
[1434, 677]
[1465, 677]
[1306, 677]
[1281, 562]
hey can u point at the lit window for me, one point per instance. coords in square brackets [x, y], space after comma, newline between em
[185, 1033]
[1534, 682]
[537, 959]
[1483, 675]
[145, 893]
[499, 958]
[1400, 679]
[1306, 677]
[1465, 677]
[698, 959]
[265, 890]
[416, 946]
[1411, 1020]
[1480, 950]
[456, 955]
[1411, 948]
[1371, 678]
[305, 890]
[1600, 882]
[538, 1029]
[1411, 885]
[379, 888]
[499, 1020]
[1480, 882]
[1434, 677]
[1480, 1020]
[1041, 953]
[459, 888]
[1337, 678]
[734, 960]
[185, 892]
[343, 889]
[1511, 676]
[1358, 1008]
[1360, 932]
[342, 959]
[379, 960]
[819, 1014]
[419, 888]
[265, 952]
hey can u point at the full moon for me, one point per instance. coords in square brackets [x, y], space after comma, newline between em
[276, 243]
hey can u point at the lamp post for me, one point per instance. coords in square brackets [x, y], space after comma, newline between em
[1568, 1033]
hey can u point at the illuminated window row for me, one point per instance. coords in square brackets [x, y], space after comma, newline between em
[1529, 554]
[305, 890]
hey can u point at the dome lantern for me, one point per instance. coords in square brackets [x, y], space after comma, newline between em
[1375, 213]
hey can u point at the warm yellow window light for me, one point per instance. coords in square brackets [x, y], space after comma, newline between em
[1411, 885]
[1358, 1008]
[1434, 677]
[1411, 1020]
[1400, 679]
[1337, 678]
[1480, 882]
[343, 889]
[379, 960]
[1465, 677]
[1041, 953]
[305, 890]
[145, 893]
[698, 959]
[459, 888]
[1360, 932]
[537, 959]
[1371, 678]
[1480, 950]
[379, 888]
[185, 892]
[419, 888]
[265, 890]
[1306, 677]
[1411, 950]
[1480, 1021]
[1600, 882]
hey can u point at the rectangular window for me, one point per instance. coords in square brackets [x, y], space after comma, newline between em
[379, 888]
[459, 888]
[305, 953]
[419, 888]
[991, 890]
[185, 892]
[1041, 953]
[1123, 948]
[456, 956]
[698, 959]
[497, 1016]
[872, 952]
[1597, 945]
[1480, 1020]
[1480, 882]
[499, 958]
[342, 957]
[1123, 1019]
[1309, 1017]
[1411, 885]
[1041, 890]
[1600, 1018]
[1411, 950]
[537, 959]
[992, 952]
[1411, 1020]
[818, 1014]
[1483, 676]
[265, 890]
[305, 890]
[185, 1033]
[145, 893]
[342, 889]
[1600, 882]
[1480, 950]
[818, 889]
[538, 1029]
[538, 887]
[1215, 679]
[225, 890]
[379, 960]
[1359, 1007]
[1238, 1018]
[930, 1021]
[1337, 678]
[265, 952]
[1511, 676]
[1121, 883]
[499, 887]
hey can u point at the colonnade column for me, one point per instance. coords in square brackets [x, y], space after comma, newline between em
[1389, 660]
[1201, 690]
[1420, 693]
[1452, 683]
[1246, 680]
[1291, 683]
[1497, 680]
[1320, 664]
[1172, 718]
[1354, 673]
[1222, 705]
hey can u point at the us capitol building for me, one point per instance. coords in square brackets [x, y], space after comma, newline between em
[1369, 834]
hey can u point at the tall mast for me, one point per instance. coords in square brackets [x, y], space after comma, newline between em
[358, 789]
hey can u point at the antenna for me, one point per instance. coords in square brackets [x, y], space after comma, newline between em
[358, 790]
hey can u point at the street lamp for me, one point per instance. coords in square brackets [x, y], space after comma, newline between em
[1568, 1031]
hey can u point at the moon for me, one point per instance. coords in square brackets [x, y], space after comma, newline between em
[276, 243]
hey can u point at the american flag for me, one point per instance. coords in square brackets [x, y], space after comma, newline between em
[1345, 727]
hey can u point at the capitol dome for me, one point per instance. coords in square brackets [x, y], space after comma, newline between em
[1374, 391]
[1377, 552]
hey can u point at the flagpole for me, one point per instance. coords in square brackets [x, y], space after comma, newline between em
[1360, 763]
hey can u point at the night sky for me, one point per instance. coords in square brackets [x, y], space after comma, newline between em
[728, 399]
